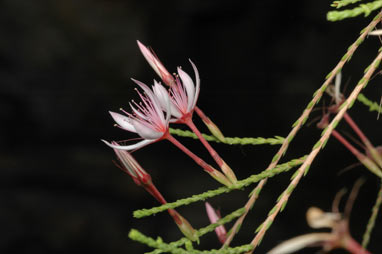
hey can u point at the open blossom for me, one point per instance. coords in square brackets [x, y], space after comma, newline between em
[147, 119]
[183, 95]
[169, 80]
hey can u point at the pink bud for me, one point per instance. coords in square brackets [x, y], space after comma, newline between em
[156, 64]
[132, 167]
[214, 217]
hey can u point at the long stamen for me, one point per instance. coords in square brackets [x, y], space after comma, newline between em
[373, 151]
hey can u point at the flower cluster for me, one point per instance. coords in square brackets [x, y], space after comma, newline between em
[150, 119]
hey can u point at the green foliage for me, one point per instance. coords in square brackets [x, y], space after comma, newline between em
[365, 9]
[342, 3]
[212, 193]
[184, 245]
[220, 222]
[170, 248]
[231, 141]
[372, 219]
[373, 106]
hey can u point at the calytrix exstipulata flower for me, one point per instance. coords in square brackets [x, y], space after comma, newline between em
[170, 80]
[183, 97]
[149, 121]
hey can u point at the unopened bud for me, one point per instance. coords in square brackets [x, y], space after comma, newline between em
[156, 64]
[132, 167]
[218, 176]
[228, 172]
[184, 226]
[213, 216]
[212, 127]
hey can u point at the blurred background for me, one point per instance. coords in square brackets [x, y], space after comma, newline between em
[64, 64]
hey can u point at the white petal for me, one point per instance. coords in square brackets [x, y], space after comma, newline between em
[173, 120]
[197, 87]
[161, 93]
[145, 131]
[299, 242]
[138, 145]
[376, 32]
[123, 121]
[189, 85]
[175, 111]
[164, 98]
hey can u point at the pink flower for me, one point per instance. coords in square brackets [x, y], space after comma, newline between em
[183, 95]
[147, 119]
[214, 217]
[158, 67]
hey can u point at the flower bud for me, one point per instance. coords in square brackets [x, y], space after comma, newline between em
[132, 167]
[184, 225]
[156, 64]
[213, 216]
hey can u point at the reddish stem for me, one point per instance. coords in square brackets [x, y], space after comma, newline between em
[155, 193]
[205, 118]
[356, 129]
[212, 151]
[193, 156]
[351, 148]
[354, 247]
[369, 146]
[368, 163]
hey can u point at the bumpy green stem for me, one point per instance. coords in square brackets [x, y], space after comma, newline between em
[230, 140]
[373, 106]
[342, 3]
[302, 119]
[212, 193]
[365, 9]
[373, 218]
[159, 244]
[317, 147]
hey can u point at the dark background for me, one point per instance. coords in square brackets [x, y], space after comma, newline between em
[64, 64]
